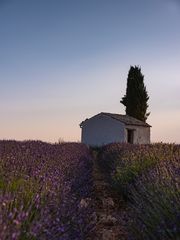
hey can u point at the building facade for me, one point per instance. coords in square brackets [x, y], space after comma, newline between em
[105, 128]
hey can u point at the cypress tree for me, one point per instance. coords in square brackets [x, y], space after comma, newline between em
[136, 97]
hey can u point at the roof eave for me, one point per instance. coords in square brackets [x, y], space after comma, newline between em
[138, 125]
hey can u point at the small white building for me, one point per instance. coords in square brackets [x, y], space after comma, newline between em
[105, 128]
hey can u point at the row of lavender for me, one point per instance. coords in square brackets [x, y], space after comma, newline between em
[41, 190]
[148, 178]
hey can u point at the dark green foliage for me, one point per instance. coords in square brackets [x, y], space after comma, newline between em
[136, 97]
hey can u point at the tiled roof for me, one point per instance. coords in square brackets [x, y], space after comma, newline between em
[128, 120]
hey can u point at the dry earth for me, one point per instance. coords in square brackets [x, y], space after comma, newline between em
[110, 211]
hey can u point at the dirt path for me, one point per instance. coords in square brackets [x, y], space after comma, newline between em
[110, 211]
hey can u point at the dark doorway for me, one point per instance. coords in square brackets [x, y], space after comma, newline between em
[130, 135]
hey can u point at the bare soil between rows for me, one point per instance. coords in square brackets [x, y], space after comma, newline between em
[110, 210]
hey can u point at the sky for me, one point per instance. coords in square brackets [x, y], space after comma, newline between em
[62, 61]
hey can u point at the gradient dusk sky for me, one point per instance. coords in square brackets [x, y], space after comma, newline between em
[62, 61]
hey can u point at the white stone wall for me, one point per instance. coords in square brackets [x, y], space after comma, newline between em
[101, 130]
[141, 134]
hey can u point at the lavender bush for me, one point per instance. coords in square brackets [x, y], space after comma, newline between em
[41, 189]
[148, 177]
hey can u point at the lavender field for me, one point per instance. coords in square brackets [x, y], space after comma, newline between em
[148, 179]
[42, 187]
[46, 190]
